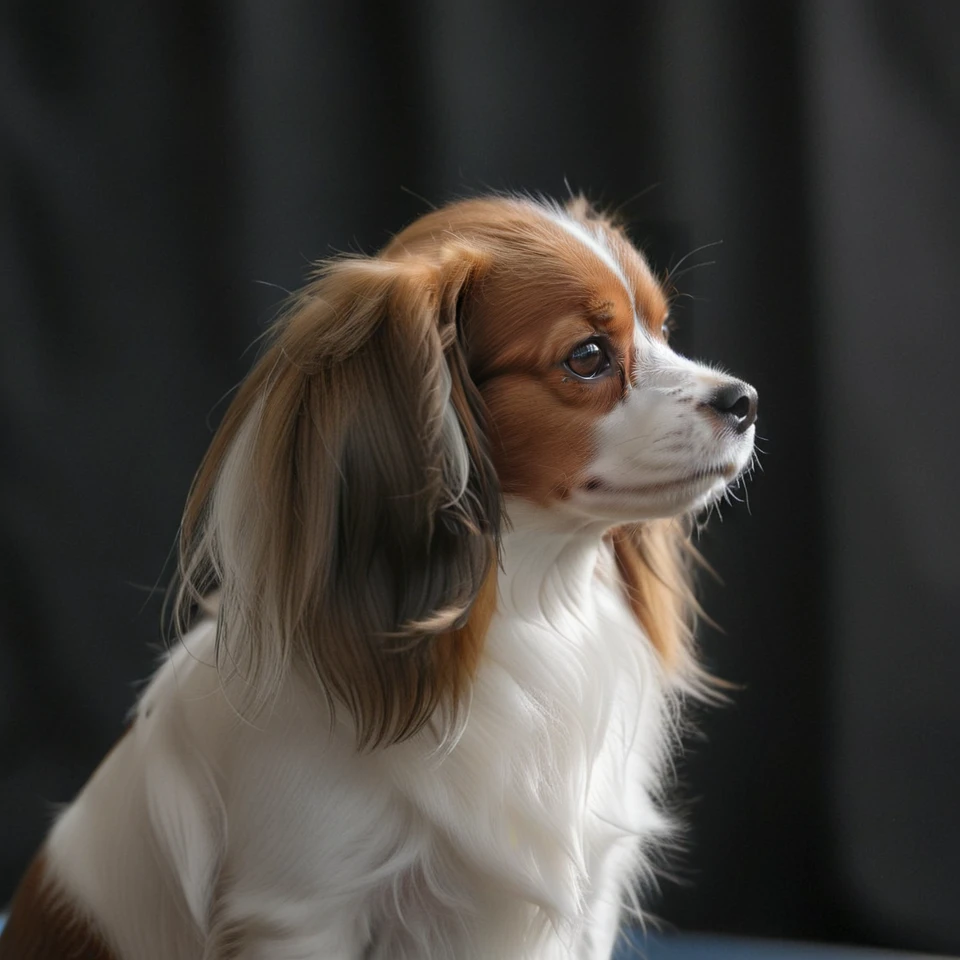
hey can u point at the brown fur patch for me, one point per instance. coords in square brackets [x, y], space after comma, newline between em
[654, 561]
[456, 655]
[43, 926]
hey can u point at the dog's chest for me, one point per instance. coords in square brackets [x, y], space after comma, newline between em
[554, 770]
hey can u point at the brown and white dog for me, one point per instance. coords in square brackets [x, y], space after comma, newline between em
[445, 517]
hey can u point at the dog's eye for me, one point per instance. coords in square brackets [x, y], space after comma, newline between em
[666, 328]
[588, 360]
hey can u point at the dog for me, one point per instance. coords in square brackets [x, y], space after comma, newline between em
[446, 522]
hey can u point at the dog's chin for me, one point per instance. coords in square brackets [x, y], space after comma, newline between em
[626, 502]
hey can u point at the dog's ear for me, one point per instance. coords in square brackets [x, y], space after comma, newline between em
[347, 510]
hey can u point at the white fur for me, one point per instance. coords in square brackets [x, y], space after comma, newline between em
[659, 437]
[519, 840]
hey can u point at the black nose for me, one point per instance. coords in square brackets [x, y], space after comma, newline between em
[737, 404]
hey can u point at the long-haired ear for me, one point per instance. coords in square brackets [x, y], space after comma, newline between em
[347, 510]
[655, 562]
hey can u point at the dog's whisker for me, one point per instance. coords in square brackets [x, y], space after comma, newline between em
[671, 272]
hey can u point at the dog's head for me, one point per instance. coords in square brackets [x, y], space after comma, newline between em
[350, 506]
[565, 334]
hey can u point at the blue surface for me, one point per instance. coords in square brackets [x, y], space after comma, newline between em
[698, 947]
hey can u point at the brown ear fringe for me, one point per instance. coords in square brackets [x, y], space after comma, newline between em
[656, 562]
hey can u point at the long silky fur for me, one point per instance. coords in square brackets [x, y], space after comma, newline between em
[347, 511]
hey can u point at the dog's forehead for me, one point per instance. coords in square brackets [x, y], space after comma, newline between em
[611, 249]
[545, 261]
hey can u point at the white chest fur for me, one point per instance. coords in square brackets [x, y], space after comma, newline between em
[516, 837]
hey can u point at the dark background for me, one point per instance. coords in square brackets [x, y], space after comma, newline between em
[168, 168]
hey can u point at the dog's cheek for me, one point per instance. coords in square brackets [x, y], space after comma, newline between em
[542, 447]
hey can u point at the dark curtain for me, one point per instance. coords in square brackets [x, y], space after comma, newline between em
[170, 169]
